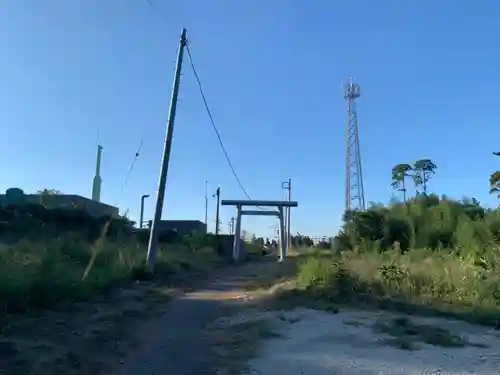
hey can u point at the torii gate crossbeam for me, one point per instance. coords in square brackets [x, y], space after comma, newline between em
[239, 204]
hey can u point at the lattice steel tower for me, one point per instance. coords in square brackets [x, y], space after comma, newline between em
[354, 191]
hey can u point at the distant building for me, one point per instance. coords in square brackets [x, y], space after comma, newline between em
[181, 226]
[96, 209]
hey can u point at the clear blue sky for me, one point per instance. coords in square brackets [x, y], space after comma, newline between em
[272, 72]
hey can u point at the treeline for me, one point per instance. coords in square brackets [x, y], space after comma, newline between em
[298, 241]
[424, 220]
[36, 222]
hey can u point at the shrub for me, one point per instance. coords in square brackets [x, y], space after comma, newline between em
[422, 222]
[42, 274]
[447, 281]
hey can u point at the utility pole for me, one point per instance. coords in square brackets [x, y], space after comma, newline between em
[141, 220]
[153, 235]
[231, 226]
[206, 204]
[289, 210]
[287, 185]
[217, 220]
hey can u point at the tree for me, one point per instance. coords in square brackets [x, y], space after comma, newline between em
[302, 241]
[45, 196]
[423, 170]
[399, 174]
[49, 192]
[495, 183]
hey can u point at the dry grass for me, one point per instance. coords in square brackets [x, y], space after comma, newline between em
[264, 274]
[235, 344]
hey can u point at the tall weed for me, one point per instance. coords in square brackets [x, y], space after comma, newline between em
[445, 280]
[43, 274]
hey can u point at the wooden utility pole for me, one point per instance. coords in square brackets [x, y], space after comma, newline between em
[153, 235]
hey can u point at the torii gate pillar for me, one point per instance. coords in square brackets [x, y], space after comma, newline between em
[237, 234]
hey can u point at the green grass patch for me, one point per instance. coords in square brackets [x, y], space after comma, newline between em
[40, 275]
[437, 283]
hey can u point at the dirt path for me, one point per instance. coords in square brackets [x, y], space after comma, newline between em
[180, 342]
[175, 343]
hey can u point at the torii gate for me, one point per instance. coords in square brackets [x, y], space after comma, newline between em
[239, 212]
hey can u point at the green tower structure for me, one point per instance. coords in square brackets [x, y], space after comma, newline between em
[96, 182]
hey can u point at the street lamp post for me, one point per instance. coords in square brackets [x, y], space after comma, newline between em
[143, 197]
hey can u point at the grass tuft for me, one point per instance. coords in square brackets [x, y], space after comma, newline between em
[405, 334]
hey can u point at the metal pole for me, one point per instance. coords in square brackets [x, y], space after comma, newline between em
[217, 193]
[289, 235]
[141, 220]
[206, 204]
[153, 236]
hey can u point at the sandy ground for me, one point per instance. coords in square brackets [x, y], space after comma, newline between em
[319, 343]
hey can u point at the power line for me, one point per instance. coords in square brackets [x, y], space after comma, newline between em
[156, 10]
[228, 159]
[129, 172]
[221, 143]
